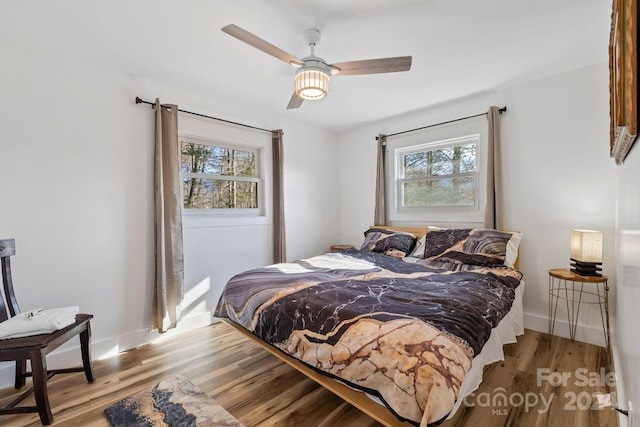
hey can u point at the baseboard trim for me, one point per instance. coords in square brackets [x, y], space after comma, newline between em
[621, 397]
[584, 333]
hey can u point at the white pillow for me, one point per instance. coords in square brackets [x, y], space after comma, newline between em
[418, 251]
[512, 248]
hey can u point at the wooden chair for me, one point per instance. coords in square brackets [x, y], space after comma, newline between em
[35, 348]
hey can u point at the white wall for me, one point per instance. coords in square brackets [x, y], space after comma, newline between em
[77, 169]
[627, 333]
[562, 178]
[557, 173]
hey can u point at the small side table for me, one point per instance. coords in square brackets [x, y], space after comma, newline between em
[569, 286]
[340, 248]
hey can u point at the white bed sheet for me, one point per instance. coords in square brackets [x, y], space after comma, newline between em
[510, 327]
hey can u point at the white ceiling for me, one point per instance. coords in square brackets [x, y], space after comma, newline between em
[459, 47]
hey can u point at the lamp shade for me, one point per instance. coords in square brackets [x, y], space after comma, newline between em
[312, 83]
[586, 246]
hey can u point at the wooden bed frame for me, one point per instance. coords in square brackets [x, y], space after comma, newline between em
[356, 398]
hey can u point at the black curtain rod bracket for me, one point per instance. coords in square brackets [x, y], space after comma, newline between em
[153, 104]
[500, 110]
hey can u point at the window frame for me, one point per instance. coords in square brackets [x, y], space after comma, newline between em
[259, 178]
[438, 215]
[433, 146]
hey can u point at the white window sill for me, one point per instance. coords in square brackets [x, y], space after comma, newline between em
[215, 220]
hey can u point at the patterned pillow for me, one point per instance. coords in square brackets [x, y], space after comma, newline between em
[396, 243]
[471, 246]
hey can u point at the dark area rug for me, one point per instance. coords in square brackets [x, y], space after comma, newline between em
[174, 402]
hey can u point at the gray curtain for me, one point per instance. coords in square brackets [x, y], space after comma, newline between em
[494, 216]
[169, 275]
[279, 240]
[380, 214]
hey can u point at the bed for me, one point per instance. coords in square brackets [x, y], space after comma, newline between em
[400, 328]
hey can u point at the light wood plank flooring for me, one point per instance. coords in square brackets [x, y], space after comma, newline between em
[261, 391]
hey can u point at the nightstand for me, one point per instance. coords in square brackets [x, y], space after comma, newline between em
[576, 290]
[340, 248]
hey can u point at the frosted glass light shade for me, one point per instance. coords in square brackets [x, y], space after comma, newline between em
[312, 84]
[586, 246]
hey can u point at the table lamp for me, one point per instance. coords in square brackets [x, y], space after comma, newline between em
[586, 252]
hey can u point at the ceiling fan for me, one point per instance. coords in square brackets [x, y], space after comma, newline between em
[312, 77]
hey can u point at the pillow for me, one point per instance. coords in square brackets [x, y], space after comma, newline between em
[512, 249]
[418, 250]
[388, 242]
[472, 246]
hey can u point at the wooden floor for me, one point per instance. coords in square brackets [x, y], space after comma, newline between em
[259, 390]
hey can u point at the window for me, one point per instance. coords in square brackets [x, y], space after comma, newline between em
[220, 177]
[439, 175]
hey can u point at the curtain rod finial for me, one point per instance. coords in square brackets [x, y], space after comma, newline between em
[138, 100]
[503, 109]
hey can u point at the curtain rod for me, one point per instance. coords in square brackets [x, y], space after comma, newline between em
[501, 110]
[153, 104]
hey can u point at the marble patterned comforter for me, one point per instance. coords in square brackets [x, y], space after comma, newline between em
[404, 332]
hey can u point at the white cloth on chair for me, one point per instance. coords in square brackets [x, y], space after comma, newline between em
[36, 322]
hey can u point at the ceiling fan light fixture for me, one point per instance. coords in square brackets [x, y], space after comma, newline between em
[312, 76]
[312, 83]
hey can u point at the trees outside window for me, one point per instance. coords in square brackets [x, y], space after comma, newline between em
[439, 174]
[215, 176]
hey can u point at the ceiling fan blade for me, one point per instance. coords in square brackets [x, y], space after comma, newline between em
[373, 66]
[294, 102]
[255, 41]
